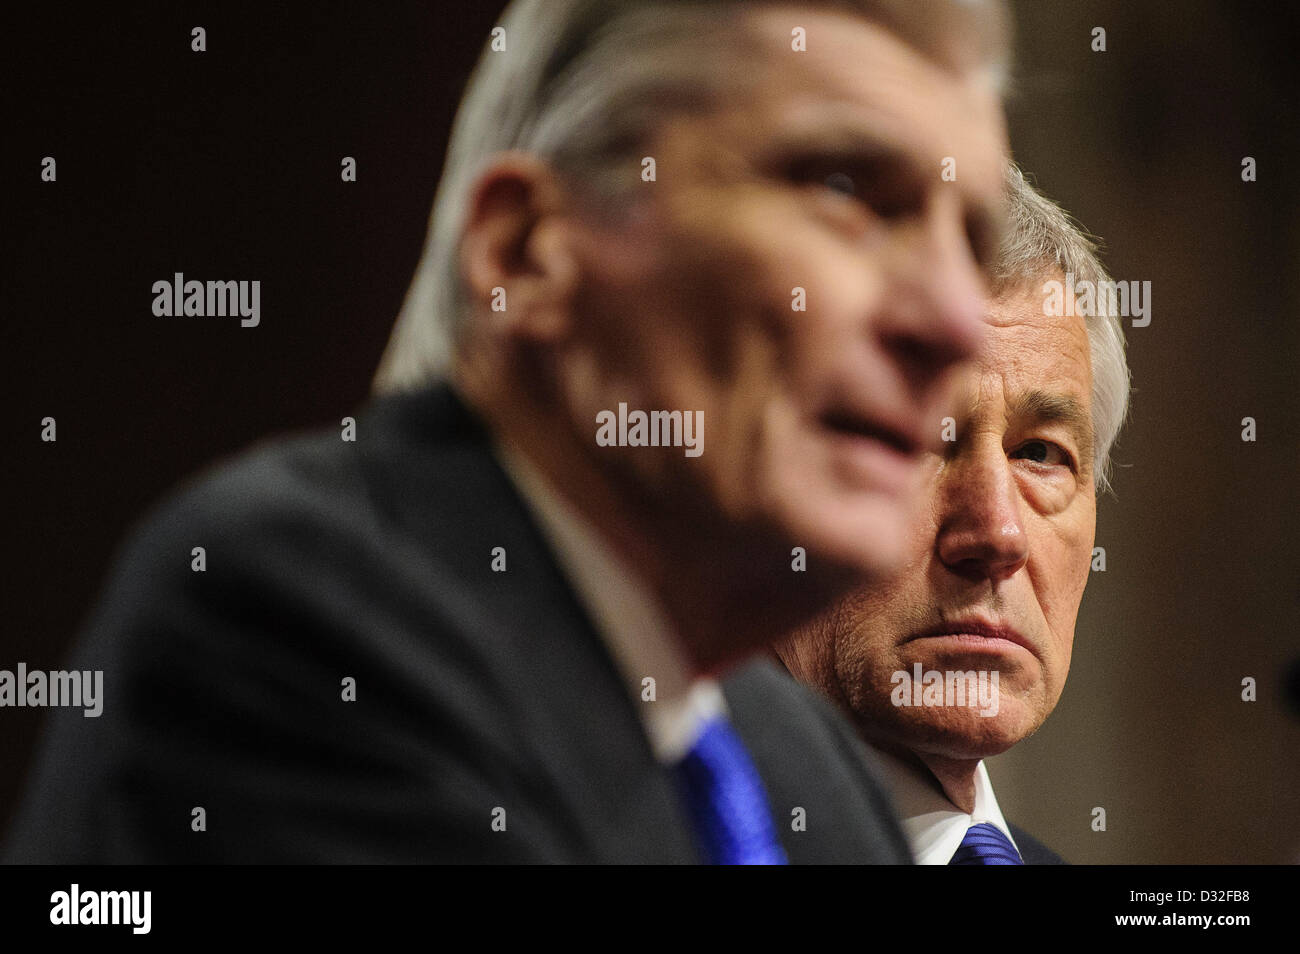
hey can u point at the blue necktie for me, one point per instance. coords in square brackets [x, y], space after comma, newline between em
[985, 844]
[726, 800]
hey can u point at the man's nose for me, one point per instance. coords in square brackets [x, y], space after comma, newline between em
[981, 530]
[935, 316]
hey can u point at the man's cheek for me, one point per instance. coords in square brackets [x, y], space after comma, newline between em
[873, 665]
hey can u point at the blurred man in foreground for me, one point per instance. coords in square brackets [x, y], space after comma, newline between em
[693, 296]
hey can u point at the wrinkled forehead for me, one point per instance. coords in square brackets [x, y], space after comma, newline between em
[860, 89]
[1029, 356]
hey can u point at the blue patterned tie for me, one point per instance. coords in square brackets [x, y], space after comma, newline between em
[726, 800]
[985, 844]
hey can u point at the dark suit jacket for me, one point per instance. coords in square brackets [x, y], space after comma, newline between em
[474, 690]
[1033, 851]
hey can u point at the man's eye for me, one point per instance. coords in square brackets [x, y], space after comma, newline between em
[842, 183]
[842, 178]
[1043, 452]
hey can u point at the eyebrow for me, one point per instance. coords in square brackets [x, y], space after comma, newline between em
[831, 129]
[1045, 407]
[834, 139]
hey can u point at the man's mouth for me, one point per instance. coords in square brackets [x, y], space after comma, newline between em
[976, 634]
[877, 454]
[852, 425]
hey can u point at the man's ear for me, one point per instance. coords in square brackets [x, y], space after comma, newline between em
[518, 266]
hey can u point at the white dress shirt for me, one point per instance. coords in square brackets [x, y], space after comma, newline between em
[626, 615]
[935, 826]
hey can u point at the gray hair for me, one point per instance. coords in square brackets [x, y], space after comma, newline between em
[583, 83]
[1040, 237]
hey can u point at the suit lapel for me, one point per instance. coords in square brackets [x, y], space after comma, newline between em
[430, 461]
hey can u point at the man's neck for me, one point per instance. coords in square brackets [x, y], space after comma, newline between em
[955, 777]
[720, 612]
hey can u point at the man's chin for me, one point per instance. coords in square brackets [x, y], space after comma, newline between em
[966, 734]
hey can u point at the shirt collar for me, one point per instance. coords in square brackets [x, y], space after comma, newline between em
[935, 826]
[630, 621]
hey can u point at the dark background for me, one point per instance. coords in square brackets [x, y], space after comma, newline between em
[225, 165]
